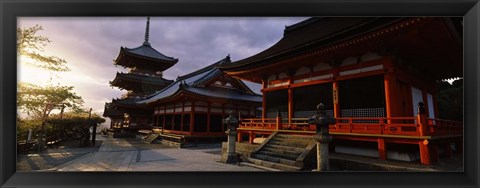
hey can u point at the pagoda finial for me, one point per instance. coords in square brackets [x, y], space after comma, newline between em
[147, 30]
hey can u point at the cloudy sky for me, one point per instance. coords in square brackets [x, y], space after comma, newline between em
[90, 44]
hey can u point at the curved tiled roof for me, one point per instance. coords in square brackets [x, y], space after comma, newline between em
[312, 33]
[146, 50]
[190, 82]
[141, 79]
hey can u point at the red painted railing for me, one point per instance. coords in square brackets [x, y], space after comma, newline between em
[441, 127]
[391, 126]
[410, 126]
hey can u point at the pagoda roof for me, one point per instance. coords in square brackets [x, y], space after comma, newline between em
[128, 103]
[111, 111]
[144, 56]
[192, 83]
[146, 50]
[139, 79]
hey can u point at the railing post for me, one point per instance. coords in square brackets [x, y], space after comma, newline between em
[421, 119]
[350, 125]
[232, 123]
[279, 120]
[322, 137]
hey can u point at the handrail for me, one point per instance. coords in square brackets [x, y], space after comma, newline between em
[373, 125]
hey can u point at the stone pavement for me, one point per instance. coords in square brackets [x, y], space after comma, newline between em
[52, 157]
[118, 154]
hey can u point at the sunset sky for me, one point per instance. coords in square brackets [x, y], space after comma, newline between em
[89, 45]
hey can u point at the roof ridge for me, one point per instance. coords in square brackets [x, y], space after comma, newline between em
[204, 69]
[183, 78]
[300, 24]
[151, 47]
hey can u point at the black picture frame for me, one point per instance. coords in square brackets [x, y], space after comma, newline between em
[10, 10]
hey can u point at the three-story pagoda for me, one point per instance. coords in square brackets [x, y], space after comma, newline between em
[145, 67]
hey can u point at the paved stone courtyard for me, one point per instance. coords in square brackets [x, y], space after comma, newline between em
[119, 154]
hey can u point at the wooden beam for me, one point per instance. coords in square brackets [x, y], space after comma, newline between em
[424, 152]
[382, 149]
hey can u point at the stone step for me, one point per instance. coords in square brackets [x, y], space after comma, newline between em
[306, 141]
[283, 150]
[289, 143]
[272, 147]
[298, 137]
[278, 155]
[150, 138]
[274, 165]
[276, 160]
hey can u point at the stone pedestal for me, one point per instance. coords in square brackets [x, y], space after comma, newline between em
[323, 137]
[232, 123]
[322, 151]
[230, 156]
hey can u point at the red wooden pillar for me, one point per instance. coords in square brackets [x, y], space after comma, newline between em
[208, 117]
[223, 116]
[251, 136]
[164, 114]
[239, 136]
[279, 121]
[290, 105]
[424, 152]
[183, 113]
[336, 105]
[422, 122]
[390, 92]
[264, 100]
[382, 149]
[192, 117]
[173, 119]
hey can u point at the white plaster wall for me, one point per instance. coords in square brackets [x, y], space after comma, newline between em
[369, 56]
[416, 97]
[431, 109]
[321, 66]
[349, 61]
[302, 70]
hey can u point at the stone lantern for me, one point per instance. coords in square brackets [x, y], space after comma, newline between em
[322, 136]
[232, 124]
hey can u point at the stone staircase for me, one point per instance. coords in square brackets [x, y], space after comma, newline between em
[150, 138]
[284, 152]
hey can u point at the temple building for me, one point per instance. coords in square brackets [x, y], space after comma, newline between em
[191, 109]
[370, 73]
[145, 76]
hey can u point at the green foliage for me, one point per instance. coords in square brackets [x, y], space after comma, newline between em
[29, 44]
[40, 101]
[73, 118]
[450, 101]
[23, 125]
